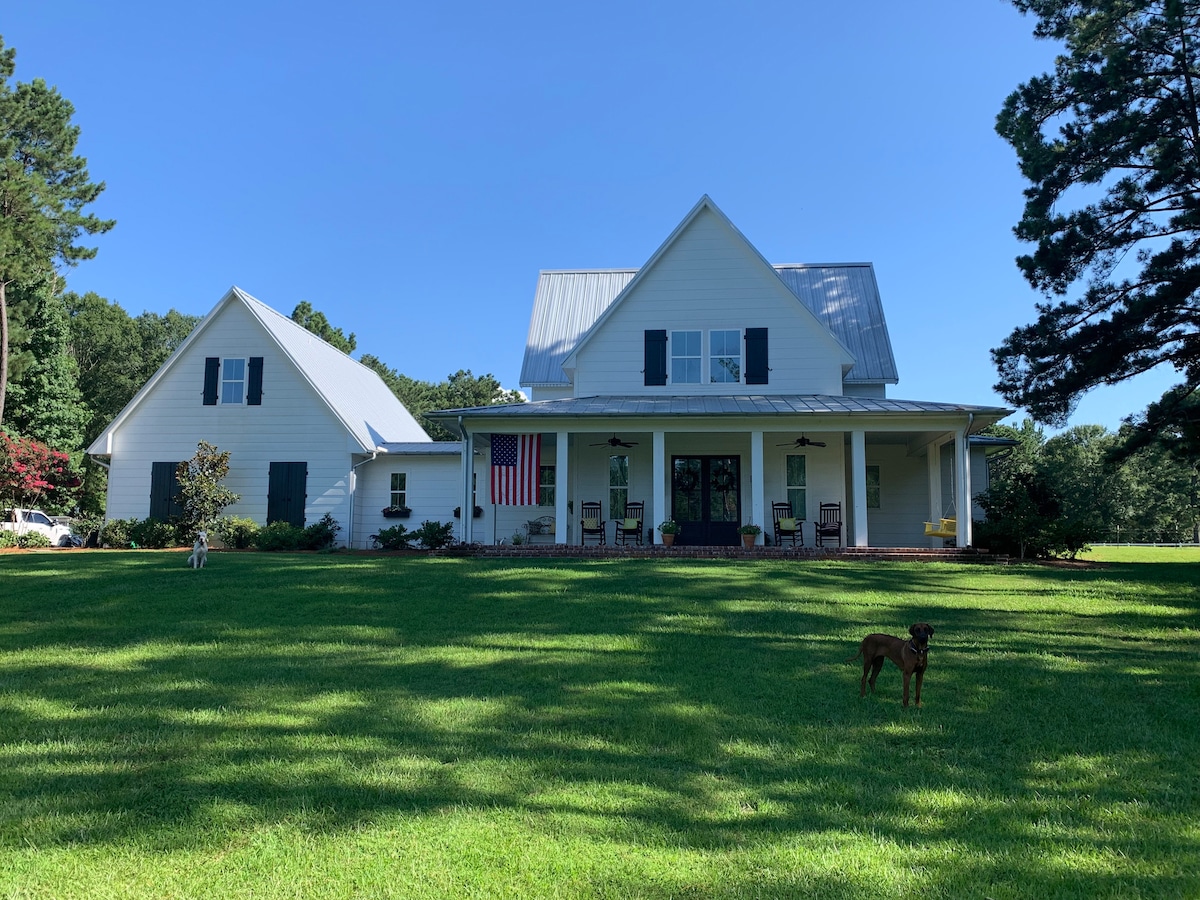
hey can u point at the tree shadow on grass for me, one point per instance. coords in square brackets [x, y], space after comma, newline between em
[706, 707]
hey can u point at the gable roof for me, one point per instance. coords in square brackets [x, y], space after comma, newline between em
[355, 395]
[843, 298]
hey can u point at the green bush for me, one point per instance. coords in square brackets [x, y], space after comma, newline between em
[279, 536]
[321, 535]
[32, 539]
[236, 531]
[153, 535]
[8, 539]
[434, 535]
[395, 538]
[116, 533]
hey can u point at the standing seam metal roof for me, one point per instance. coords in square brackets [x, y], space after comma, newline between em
[843, 296]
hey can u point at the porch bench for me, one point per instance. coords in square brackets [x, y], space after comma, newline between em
[542, 527]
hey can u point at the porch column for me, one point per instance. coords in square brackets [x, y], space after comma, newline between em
[858, 486]
[935, 485]
[560, 488]
[466, 522]
[962, 489]
[660, 509]
[757, 482]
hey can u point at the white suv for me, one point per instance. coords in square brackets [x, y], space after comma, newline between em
[27, 521]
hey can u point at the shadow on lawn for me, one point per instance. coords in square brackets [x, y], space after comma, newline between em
[701, 706]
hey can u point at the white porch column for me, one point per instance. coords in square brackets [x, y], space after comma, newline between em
[935, 486]
[466, 523]
[962, 489]
[858, 486]
[560, 489]
[660, 509]
[758, 513]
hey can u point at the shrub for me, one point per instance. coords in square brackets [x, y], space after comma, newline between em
[8, 539]
[236, 531]
[321, 535]
[395, 538]
[115, 533]
[201, 492]
[32, 539]
[279, 536]
[153, 535]
[434, 535]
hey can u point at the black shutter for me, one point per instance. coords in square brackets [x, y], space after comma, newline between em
[756, 356]
[254, 388]
[287, 485]
[656, 357]
[212, 368]
[164, 491]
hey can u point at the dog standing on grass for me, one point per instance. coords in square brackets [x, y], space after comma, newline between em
[911, 656]
[199, 551]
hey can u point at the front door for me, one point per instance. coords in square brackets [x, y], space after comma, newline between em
[706, 499]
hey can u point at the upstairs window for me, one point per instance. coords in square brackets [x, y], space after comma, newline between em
[233, 380]
[724, 357]
[685, 357]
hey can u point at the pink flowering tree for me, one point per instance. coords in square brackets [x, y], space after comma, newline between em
[32, 473]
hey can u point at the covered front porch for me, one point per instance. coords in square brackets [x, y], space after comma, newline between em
[886, 471]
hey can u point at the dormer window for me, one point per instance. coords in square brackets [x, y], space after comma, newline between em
[233, 380]
[686, 362]
[724, 357]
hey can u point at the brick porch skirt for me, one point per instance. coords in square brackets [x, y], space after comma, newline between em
[657, 551]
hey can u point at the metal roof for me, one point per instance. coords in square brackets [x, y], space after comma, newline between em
[843, 296]
[423, 448]
[725, 405]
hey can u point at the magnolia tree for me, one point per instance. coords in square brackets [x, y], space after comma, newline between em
[201, 493]
[32, 474]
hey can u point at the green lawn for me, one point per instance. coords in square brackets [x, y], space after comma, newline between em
[329, 726]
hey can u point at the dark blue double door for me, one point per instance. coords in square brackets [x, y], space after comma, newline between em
[706, 499]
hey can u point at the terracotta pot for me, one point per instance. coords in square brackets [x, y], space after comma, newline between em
[668, 540]
[748, 540]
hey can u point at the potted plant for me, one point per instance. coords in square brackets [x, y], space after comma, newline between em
[669, 529]
[476, 514]
[396, 512]
[749, 533]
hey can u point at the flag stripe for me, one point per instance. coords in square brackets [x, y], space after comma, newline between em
[516, 459]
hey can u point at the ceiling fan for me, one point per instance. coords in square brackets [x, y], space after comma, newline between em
[802, 441]
[615, 441]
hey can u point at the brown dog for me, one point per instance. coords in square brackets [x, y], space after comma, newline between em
[911, 656]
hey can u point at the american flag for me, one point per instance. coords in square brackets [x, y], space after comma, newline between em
[515, 461]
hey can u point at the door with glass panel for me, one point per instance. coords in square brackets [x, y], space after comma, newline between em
[706, 499]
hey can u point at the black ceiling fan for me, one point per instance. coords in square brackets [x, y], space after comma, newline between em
[802, 441]
[615, 441]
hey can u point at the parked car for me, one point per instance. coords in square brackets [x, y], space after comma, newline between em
[26, 521]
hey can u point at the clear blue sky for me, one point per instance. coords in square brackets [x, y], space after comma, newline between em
[408, 168]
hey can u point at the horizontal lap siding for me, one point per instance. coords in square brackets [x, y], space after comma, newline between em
[709, 280]
[291, 425]
[433, 484]
[904, 498]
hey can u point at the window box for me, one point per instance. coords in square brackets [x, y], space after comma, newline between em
[396, 512]
[458, 512]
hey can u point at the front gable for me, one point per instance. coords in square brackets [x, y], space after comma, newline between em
[707, 306]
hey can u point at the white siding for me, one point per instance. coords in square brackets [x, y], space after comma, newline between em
[291, 425]
[433, 492]
[903, 498]
[710, 279]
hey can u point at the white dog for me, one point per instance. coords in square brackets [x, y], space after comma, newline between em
[199, 551]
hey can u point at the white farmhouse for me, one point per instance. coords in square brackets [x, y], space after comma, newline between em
[708, 386]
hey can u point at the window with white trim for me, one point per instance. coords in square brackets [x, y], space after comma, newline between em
[545, 486]
[618, 486]
[725, 356]
[399, 491]
[873, 487]
[686, 349]
[797, 484]
[233, 380]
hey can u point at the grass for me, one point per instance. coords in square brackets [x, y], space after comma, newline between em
[303, 726]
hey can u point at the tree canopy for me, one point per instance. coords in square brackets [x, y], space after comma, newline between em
[44, 188]
[315, 321]
[1109, 142]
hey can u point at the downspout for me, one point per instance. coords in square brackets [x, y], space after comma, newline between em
[354, 495]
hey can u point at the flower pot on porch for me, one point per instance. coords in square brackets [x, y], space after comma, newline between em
[668, 540]
[748, 540]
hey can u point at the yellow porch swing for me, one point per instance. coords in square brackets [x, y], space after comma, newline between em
[947, 525]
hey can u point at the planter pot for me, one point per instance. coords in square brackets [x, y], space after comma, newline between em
[397, 513]
[478, 513]
[748, 540]
[668, 540]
